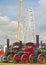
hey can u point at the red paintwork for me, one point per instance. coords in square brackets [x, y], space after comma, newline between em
[29, 50]
[1, 52]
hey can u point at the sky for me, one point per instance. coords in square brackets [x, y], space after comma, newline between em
[9, 12]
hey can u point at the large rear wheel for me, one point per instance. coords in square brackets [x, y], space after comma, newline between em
[10, 58]
[31, 58]
[24, 58]
[16, 58]
[41, 59]
[45, 56]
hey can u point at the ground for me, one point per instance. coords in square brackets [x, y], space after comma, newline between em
[19, 64]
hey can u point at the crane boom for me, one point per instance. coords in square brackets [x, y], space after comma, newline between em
[20, 7]
[19, 20]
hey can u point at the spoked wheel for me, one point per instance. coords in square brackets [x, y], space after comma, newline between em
[31, 58]
[16, 58]
[24, 58]
[10, 58]
[41, 59]
[4, 59]
[45, 56]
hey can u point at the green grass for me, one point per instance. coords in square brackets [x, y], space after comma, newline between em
[19, 64]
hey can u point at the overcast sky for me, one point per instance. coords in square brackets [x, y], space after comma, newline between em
[9, 12]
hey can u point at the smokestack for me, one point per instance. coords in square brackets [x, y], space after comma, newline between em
[37, 40]
[41, 43]
[8, 44]
[20, 46]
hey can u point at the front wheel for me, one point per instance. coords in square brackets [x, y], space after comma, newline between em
[31, 58]
[10, 58]
[41, 59]
[16, 58]
[24, 58]
[4, 59]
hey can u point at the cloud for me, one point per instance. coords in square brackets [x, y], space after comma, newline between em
[43, 36]
[8, 29]
[42, 12]
[42, 19]
[4, 20]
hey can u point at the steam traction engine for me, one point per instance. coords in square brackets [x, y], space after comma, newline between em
[24, 54]
[29, 52]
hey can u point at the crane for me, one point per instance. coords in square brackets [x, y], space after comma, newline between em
[19, 20]
[29, 26]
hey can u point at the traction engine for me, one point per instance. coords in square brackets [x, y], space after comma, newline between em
[20, 53]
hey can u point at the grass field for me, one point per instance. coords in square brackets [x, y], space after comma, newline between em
[19, 64]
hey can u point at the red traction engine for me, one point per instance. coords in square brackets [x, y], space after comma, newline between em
[25, 55]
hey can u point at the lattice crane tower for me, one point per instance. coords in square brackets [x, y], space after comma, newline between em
[29, 27]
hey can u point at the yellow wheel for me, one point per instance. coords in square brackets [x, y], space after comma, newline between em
[10, 58]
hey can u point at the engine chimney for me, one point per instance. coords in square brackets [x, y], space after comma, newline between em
[8, 44]
[41, 43]
[20, 46]
[37, 40]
